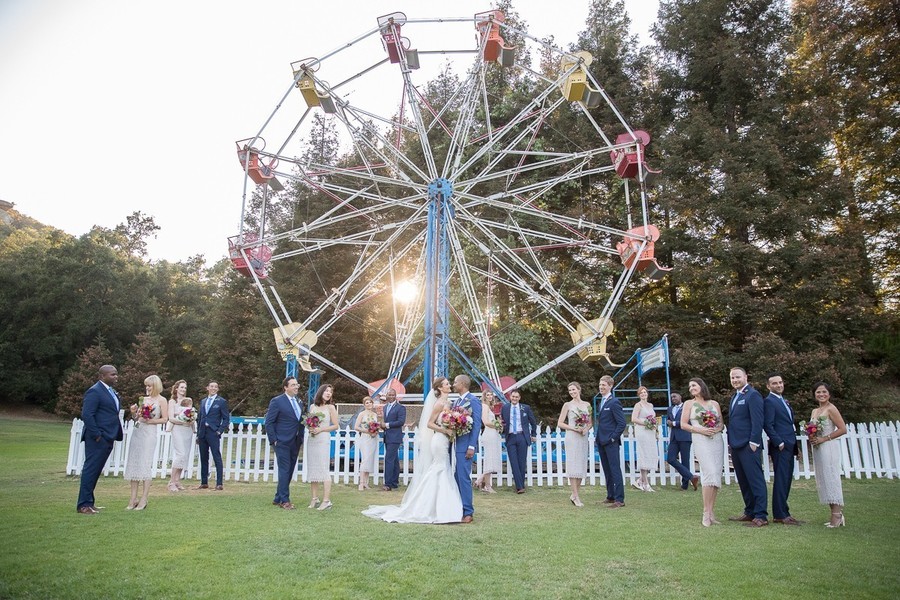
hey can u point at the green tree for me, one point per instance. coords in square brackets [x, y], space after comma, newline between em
[145, 357]
[79, 377]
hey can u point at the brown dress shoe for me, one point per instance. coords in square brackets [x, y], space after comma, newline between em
[694, 481]
[287, 506]
[616, 505]
[467, 519]
[741, 518]
[609, 501]
[385, 489]
[521, 491]
[202, 486]
[87, 510]
[219, 488]
[788, 521]
[756, 523]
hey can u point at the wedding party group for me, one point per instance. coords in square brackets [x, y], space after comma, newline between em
[453, 427]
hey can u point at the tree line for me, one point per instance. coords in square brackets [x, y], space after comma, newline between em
[775, 126]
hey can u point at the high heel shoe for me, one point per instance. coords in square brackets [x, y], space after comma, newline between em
[361, 487]
[647, 488]
[578, 503]
[141, 506]
[706, 520]
[314, 503]
[832, 525]
[636, 485]
[713, 520]
[325, 505]
[131, 506]
[172, 487]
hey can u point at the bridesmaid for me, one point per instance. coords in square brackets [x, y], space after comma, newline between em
[576, 439]
[142, 447]
[707, 444]
[827, 454]
[318, 447]
[647, 457]
[182, 429]
[490, 439]
[366, 442]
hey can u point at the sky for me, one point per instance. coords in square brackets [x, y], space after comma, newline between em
[110, 107]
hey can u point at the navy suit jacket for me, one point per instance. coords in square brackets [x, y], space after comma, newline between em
[529, 424]
[470, 439]
[217, 419]
[100, 414]
[779, 424]
[676, 433]
[395, 421]
[610, 422]
[282, 424]
[745, 418]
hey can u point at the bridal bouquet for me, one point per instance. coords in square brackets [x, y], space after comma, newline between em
[458, 420]
[314, 420]
[651, 422]
[708, 419]
[582, 418]
[814, 428]
[373, 427]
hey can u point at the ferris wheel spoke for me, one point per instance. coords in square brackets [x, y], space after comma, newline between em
[465, 121]
[475, 312]
[545, 237]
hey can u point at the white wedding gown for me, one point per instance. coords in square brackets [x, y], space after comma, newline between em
[432, 496]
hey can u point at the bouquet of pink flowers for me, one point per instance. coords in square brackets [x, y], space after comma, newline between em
[189, 415]
[582, 418]
[458, 420]
[708, 419]
[813, 429]
[373, 427]
[651, 422]
[146, 410]
[314, 420]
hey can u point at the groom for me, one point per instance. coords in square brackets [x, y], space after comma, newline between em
[465, 446]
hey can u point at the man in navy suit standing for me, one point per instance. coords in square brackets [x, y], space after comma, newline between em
[465, 446]
[608, 439]
[394, 420]
[519, 430]
[102, 428]
[284, 428]
[779, 426]
[213, 422]
[745, 425]
[679, 444]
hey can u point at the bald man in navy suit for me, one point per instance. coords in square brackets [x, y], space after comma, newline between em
[102, 429]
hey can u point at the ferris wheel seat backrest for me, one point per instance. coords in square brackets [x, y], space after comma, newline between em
[488, 26]
[626, 160]
[390, 34]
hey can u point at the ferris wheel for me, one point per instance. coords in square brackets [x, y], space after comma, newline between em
[445, 202]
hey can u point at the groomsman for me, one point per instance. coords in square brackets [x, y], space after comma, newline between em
[608, 438]
[102, 429]
[213, 422]
[394, 419]
[519, 430]
[779, 426]
[679, 445]
[284, 428]
[745, 425]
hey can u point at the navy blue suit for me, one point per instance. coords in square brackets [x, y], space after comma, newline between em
[779, 426]
[608, 438]
[679, 453]
[102, 428]
[394, 420]
[463, 473]
[745, 425]
[517, 444]
[210, 427]
[284, 428]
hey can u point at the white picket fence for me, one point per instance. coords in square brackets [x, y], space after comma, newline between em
[868, 451]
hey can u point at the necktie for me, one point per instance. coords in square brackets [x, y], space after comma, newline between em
[209, 402]
[115, 398]
[296, 407]
[675, 412]
[387, 410]
[733, 400]
[515, 419]
[788, 407]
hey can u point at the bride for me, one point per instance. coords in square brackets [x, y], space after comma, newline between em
[432, 496]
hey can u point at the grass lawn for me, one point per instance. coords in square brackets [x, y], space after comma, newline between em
[235, 544]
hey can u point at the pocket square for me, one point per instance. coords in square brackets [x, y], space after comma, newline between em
[742, 401]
